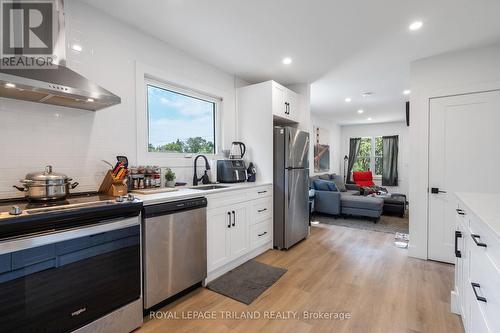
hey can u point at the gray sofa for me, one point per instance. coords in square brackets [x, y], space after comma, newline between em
[346, 200]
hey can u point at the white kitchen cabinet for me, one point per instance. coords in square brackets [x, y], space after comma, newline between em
[227, 234]
[218, 237]
[239, 230]
[235, 220]
[278, 103]
[285, 102]
[477, 275]
[292, 105]
[259, 105]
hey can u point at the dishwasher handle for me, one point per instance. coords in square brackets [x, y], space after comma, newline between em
[174, 207]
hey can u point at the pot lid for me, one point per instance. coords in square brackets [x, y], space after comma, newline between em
[47, 175]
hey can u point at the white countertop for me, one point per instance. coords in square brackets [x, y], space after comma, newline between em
[486, 206]
[186, 193]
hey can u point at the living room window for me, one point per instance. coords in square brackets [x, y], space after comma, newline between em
[370, 155]
[180, 120]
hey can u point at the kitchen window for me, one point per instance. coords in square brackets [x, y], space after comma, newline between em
[370, 155]
[180, 121]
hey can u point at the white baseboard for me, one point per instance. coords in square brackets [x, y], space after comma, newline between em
[235, 263]
[455, 302]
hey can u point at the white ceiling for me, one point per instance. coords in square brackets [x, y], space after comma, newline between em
[342, 47]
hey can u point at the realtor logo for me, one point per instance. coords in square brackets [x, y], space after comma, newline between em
[27, 30]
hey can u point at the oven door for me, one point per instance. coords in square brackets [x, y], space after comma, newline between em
[59, 282]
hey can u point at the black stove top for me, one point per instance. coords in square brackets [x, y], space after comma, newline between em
[20, 216]
[77, 198]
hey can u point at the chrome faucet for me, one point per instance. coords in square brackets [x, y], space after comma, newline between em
[204, 179]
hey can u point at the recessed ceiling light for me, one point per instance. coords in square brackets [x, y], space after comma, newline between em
[360, 111]
[348, 99]
[76, 47]
[90, 100]
[369, 118]
[10, 85]
[415, 25]
[406, 92]
[287, 60]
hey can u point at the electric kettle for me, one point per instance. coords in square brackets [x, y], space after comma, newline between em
[238, 149]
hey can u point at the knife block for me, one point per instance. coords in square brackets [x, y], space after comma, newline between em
[112, 186]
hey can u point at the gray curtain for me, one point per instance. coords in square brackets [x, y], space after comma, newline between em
[390, 160]
[354, 144]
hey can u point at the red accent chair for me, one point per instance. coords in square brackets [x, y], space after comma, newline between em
[363, 178]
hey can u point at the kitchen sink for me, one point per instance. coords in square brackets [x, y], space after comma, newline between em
[208, 187]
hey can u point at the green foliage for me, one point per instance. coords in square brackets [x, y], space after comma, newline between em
[365, 155]
[169, 175]
[196, 145]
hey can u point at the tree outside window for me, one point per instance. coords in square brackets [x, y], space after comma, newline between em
[370, 155]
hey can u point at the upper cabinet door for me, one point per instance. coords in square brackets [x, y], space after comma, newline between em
[279, 107]
[292, 105]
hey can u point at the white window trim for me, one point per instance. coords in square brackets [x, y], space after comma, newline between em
[177, 82]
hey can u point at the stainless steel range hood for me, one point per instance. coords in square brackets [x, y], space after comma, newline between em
[57, 86]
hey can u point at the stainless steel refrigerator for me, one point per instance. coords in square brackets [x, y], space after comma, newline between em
[291, 190]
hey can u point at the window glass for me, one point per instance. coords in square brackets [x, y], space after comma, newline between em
[180, 123]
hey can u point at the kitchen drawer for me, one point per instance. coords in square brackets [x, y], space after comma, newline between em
[475, 323]
[483, 272]
[262, 209]
[226, 198]
[5, 263]
[24, 258]
[260, 233]
[261, 192]
[492, 249]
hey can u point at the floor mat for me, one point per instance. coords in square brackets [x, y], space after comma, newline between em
[246, 282]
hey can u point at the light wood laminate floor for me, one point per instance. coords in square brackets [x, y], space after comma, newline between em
[337, 269]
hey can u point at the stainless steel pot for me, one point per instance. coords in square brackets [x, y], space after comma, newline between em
[47, 185]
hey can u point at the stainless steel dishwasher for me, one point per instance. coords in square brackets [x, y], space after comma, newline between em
[175, 248]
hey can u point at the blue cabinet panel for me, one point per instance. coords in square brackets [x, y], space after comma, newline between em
[5, 262]
[32, 256]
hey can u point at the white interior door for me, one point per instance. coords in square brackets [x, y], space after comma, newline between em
[464, 156]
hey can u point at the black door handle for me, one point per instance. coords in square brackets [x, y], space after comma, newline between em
[262, 234]
[436, 190]
[262, 210]
[229, 224]
[458, 253]
[460, 212]
[479, 298]
[475, 238]
[234, 218]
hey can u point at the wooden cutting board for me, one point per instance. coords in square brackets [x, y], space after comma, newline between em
[155, 190]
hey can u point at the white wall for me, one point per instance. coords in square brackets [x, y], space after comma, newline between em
[448, 74]
[383, 129]
[74, 141]
[334, 140]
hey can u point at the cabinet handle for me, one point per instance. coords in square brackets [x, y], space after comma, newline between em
[229, 224]
[458, 234]
[262, 210]
[234, 218]
[261, 192]
[262, 234]
[475, 238]
[479, 298]
[460, 212]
